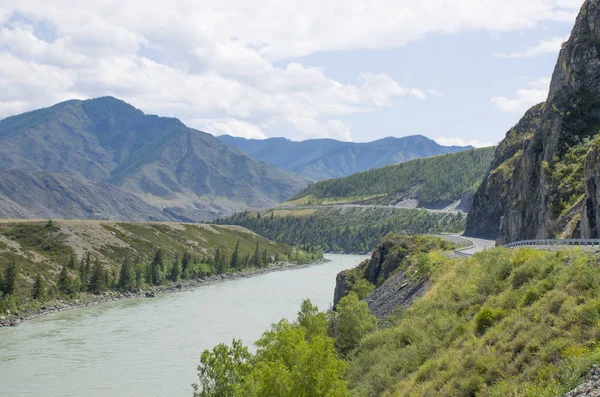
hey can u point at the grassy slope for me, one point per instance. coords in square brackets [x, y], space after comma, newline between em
[504, 323]
[343, 229]
[43, 250]
[441, 178]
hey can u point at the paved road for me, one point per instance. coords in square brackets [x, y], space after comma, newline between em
[479, 245]
[363, 206]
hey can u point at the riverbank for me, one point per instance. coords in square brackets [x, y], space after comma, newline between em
[85, 299]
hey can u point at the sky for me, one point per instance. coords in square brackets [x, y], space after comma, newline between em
[458, 71]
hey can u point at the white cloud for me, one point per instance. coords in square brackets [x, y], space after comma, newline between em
[551, 46]
[339, 130]
[234, 128]
[435, 93]
[217, 59]
[525, 98]
[448, 141]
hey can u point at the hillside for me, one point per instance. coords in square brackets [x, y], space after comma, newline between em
[42, 248]
[506, 322]
[343, 229]
[186, 174]
[48, 195]
[503, 323]
[435, 182]
[320, 159]
[543, 183]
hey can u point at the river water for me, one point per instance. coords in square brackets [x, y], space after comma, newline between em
[151, 347]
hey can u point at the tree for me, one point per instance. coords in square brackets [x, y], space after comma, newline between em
[256, 258]
[185, 261]
[223, 370]
[64, 281]
[235, 256]
[156, 266]
[175, 270]
[311, 320]
[351, 323]
[127, 276]
[85, 270]
[72, 262]
[265, 258]
[10, 278]
[288, 363]
[98, 279]
[38, 291]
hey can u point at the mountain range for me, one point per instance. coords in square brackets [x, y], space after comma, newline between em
[105, 159]
[320, 159]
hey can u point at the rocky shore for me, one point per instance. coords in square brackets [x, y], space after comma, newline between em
[14, 319]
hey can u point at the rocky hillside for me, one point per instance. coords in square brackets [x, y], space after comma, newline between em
[48, 195]
[441, 182]
[396, 274]
[320, 159]
[184, 173]
[42, 248]
[544, 177]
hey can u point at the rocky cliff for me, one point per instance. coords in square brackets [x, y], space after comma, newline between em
[396, 271]
[542, 180]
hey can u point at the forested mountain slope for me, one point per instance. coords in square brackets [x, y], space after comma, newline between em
[433, 182]
[185, 173]
[343, 229]
[320, 159]
[545, 175]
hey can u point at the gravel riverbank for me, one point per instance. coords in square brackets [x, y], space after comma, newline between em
[91, 300]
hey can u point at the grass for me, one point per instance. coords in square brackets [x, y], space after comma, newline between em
[504, 323]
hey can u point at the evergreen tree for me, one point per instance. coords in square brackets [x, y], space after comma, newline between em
[98, 279]
[235, 257]
[185, 261]
[156, 267]
[175, 270]
[10, 278]
[265, 258]
[127, 277]
[85, 270]
[64, 281]
[256, 257]
[38, 292]
[72, 262]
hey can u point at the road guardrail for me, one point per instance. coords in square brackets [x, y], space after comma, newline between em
[582, 242]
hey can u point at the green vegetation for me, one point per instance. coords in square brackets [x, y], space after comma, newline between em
[417, 255]
[503, 323]
[41, 262]
[332, 229]
[292, 360]
[444, 178]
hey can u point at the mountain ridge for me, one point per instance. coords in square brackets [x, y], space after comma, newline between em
[186, 173]
[320, 159]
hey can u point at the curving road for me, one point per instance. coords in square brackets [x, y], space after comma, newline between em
[479, 245]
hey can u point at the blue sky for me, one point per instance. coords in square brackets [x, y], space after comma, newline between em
[460, 71]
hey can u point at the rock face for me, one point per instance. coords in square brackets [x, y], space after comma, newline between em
[342, 287]
[590, 388]
[400, 290]
[534, 189]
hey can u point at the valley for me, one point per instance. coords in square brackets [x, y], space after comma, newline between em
[295, 248]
